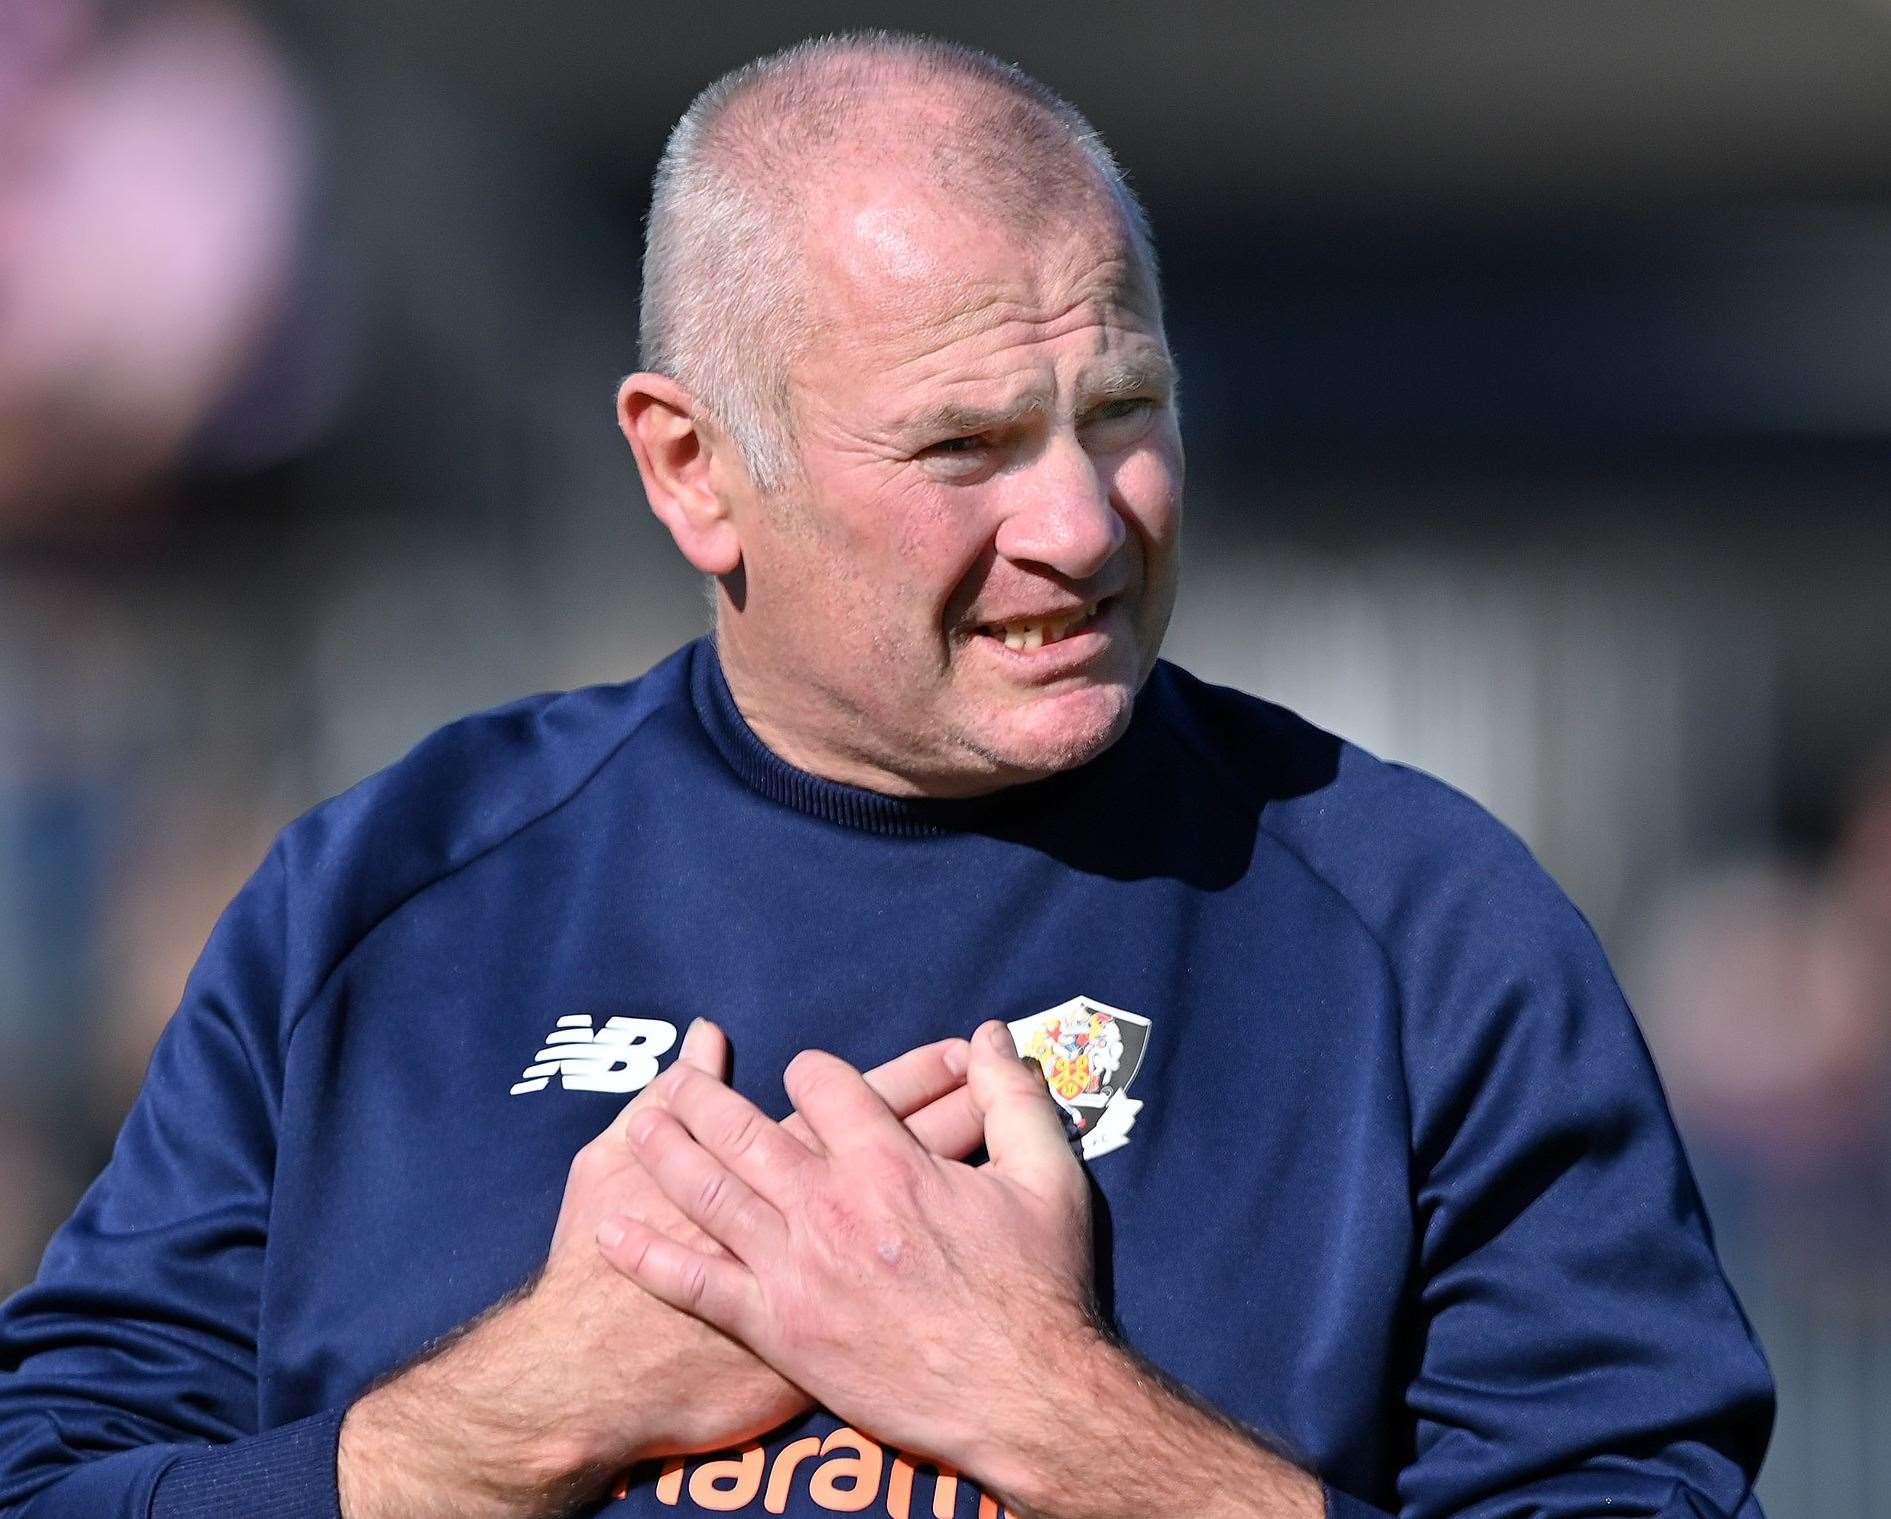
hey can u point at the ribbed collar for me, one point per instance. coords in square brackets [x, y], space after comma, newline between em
[766, 772]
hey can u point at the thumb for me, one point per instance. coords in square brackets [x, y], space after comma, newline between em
[706, 1047]
[1024, 1128]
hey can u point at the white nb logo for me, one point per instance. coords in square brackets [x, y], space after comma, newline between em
[620, 1057]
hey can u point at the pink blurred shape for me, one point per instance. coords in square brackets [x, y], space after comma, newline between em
[149, 202]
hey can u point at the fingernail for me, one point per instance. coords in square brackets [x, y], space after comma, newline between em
[1032, 1066]
[957, 1057]
[610, 1234]
[999, 1038]
[637, 1131]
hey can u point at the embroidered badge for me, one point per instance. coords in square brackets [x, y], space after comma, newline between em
[1089, 1053]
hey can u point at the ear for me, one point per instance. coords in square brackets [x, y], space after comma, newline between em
[675, 445]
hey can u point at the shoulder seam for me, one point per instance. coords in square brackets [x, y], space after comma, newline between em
[1365, 925]
[342, 959]
[1299, 858]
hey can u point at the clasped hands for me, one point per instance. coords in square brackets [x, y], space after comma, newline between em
[848, 1256]
[713, 1273]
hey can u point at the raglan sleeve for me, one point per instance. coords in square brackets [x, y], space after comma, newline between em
[128, 1384]
[1578, 1348]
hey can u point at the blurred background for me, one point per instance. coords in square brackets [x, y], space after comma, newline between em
[1538, 398]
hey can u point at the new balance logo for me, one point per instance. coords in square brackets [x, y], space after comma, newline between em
[620, 1057]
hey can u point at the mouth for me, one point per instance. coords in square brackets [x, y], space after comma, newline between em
[1023, 635]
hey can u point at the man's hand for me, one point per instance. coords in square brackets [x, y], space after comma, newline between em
[694, 1388]
[944, 1309]
[910, 1294]
[536, 1404]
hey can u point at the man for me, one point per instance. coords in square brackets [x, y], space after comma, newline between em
[1393, 1221]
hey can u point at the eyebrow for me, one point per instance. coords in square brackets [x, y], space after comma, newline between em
[1130, 377]
[1148, 371]
[954, 418]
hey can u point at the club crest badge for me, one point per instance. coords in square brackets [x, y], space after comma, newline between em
[1089, 1053]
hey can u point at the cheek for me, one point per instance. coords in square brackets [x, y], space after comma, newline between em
[940, 540]
[1147, 488]
[870, 559]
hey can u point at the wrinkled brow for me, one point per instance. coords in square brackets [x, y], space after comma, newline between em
[1131, 377]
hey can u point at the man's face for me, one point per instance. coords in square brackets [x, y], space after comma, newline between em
[969, 581]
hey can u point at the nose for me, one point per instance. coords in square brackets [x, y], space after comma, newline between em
[1061, 515]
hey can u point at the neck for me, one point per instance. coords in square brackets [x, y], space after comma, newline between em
[802, 725]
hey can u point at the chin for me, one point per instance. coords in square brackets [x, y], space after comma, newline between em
[1058, 733]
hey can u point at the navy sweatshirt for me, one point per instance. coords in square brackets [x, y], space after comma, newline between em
[1401, 1190]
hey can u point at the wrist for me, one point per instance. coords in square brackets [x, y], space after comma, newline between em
[1035, 1449]
[1166, 1451]
[482, 1428]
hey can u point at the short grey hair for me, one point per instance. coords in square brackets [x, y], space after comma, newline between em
[724, 308]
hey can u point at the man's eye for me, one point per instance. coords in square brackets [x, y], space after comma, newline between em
[964, 445]
[1117, 411]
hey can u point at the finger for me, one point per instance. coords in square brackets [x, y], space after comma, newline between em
[707, 1192]
[714, 1289]
[952, 1128]
[926, 1087]
[796, 1127]
[738, 1134]
[653, 1208]
[1024, 1129]
[705, 1048]
[837, 1104]
[909, 1082]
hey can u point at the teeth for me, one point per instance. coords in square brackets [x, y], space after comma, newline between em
[1034, 633]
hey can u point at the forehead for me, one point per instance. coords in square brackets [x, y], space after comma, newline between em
[906, 287]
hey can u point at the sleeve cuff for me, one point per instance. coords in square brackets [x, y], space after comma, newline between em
[1344, 1506]
[286, 1473]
